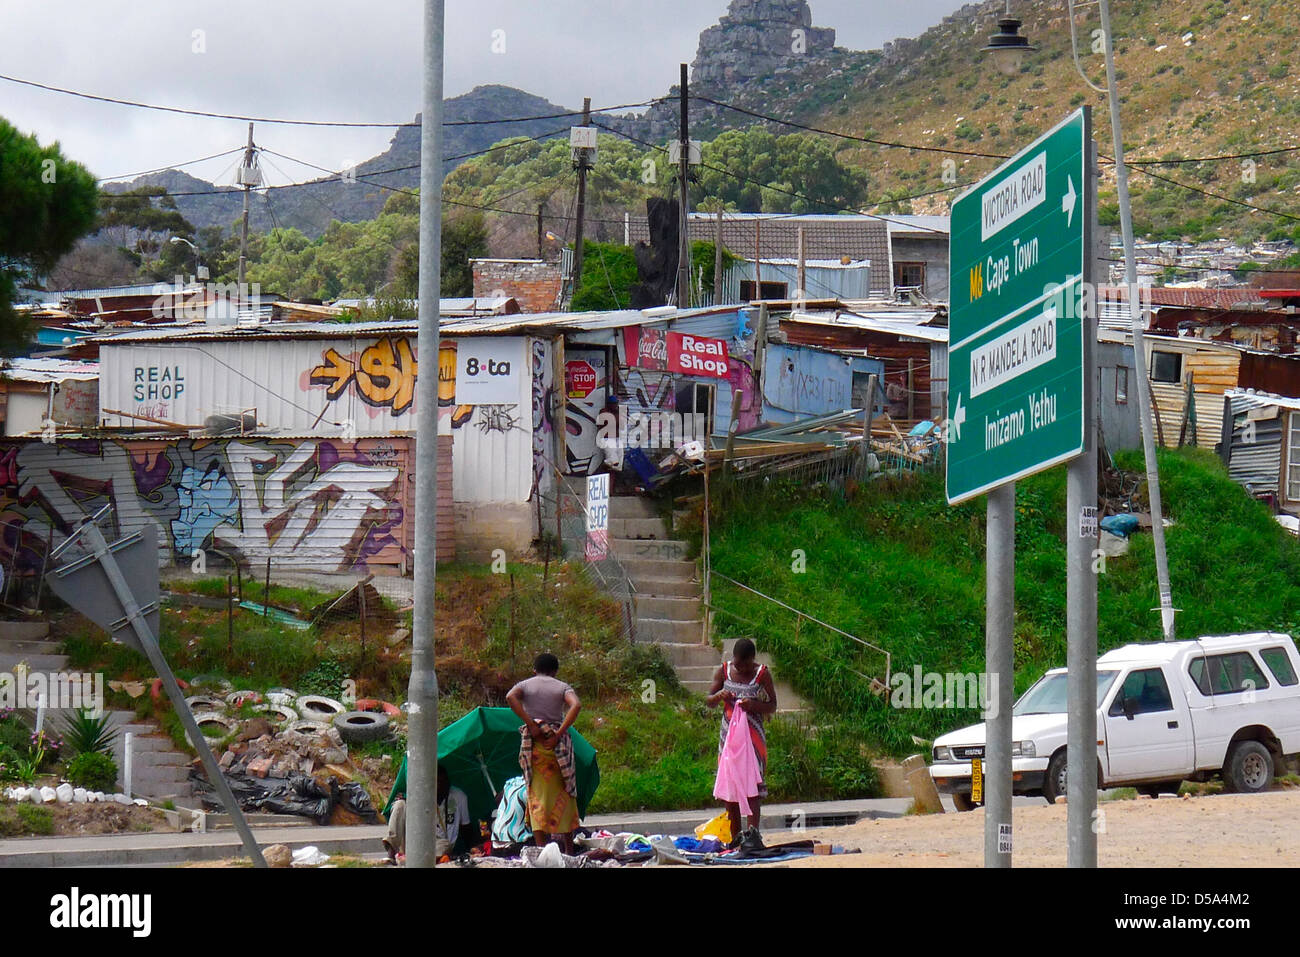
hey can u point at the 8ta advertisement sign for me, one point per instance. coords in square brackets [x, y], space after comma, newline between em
[488, 370]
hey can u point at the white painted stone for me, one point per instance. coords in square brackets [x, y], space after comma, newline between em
[64, 793]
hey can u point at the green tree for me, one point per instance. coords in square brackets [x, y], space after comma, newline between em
[47, 203]
[755, 171]
[140, 221]
[464, 238]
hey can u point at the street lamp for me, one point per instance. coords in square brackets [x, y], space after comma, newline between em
[200, 273]
[1007, 46]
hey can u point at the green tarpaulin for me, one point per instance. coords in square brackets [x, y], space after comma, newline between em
[480, 752]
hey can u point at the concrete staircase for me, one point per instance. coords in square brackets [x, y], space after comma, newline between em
[159, 771]
[668, 607]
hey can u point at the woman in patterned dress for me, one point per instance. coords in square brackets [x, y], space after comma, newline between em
[744, 683]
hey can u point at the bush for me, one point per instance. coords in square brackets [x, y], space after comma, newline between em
[93, 771]
[14, 733]
[86, 734]
[24, 820]
[325, 679]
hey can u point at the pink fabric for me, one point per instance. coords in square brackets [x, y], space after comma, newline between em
[738, 771]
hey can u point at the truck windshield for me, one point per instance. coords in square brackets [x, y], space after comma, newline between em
[1050, 695]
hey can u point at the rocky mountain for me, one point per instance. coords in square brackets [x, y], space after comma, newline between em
[1198, 78]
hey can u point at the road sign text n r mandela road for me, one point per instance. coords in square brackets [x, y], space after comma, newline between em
[1015, 325]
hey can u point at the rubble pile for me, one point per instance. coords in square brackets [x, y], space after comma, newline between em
[285, 754]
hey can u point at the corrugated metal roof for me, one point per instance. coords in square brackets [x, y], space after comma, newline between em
[473, 325]
[49, 370]
[911, 326]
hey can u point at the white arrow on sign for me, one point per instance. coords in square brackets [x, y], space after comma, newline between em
[1068, 201]
[958, 417]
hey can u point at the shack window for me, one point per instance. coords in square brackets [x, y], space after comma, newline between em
[1227, 674]
[1293, 458]
[909, 276]
[1121, 385]
[1166, 367]
[749, 291]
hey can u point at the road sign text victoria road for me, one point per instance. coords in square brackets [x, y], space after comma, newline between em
[1015, 359]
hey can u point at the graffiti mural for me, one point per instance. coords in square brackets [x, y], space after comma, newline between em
[582, 457]
[311, 504]
[542, 384]
[383, 374]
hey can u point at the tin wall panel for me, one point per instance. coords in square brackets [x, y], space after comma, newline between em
[321, 504]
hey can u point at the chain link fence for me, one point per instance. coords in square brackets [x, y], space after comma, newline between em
[562, 512]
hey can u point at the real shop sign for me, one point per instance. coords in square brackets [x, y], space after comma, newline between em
[697, 356]
[153, 383]
[488, 370]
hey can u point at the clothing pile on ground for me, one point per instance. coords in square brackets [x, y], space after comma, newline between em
[510, 847]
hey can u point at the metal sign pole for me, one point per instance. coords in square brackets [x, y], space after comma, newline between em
[149, 644]
[999, 661]
[422, 693]
[1081, 530]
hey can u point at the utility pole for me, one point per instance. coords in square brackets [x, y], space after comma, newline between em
[683, 173]
[1081, 577]
[249, 176]
[541, 233]
[802, 293]
[717, 259]
[582, 160]
[422, 693]
[1137, 323]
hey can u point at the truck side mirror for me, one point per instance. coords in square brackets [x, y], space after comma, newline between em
[1130, 707]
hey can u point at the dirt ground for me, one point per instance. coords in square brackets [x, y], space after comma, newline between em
[76, 819]
[1229, 830]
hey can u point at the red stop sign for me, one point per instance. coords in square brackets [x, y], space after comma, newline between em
[580, 379]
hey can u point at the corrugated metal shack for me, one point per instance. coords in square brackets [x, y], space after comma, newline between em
[912, 343]
[1261, 445]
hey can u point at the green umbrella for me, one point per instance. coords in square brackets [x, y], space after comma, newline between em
[481, 752]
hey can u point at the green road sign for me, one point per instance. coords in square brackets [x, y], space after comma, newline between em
[1015, 354]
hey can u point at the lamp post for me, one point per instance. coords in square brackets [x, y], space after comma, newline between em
[1007, 46]
[198, 265]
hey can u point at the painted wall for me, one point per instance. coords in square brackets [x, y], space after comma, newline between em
[800, 382]
[305, 503]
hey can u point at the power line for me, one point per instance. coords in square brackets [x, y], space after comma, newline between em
[163, 169]
[1218, 196]
[287, 122]
[850, 136]
[1211, 159]
[807, 199]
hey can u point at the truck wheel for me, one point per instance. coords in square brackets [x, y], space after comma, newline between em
[1054, 779]
[1249, 768]
[962, 802]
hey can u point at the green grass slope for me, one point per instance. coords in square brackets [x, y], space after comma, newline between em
[896, 566]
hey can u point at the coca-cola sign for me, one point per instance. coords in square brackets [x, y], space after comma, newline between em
[646, 348]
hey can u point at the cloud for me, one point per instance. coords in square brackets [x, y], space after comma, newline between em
[343, 60]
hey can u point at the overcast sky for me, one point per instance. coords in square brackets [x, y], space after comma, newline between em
[341, 60]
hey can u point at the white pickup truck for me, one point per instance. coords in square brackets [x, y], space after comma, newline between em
[1166, 713]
